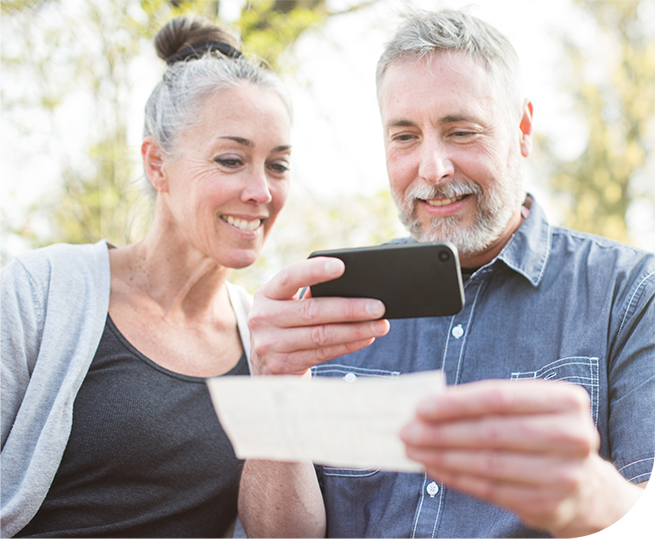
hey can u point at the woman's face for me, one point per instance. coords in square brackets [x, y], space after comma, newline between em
[230, 177]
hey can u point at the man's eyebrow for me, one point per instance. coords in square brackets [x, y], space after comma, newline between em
[401, 123]
[453, 118]
[284, 148]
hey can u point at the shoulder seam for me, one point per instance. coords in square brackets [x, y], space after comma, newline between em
[634, 299]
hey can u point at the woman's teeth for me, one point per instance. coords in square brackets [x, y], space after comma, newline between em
[445, 201]
[242, 224]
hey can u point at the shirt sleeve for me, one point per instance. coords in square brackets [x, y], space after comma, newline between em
[21, 323]
[632, 382]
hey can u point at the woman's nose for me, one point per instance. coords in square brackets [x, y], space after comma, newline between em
[257, 188]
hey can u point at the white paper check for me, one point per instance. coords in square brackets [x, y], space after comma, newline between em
[349, 422]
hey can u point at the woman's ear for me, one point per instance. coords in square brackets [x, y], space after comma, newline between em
[526, 129]
[153, 162]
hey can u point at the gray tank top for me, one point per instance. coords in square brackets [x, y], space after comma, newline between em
[146, 457]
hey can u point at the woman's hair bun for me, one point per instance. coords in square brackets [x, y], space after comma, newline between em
[183, 32]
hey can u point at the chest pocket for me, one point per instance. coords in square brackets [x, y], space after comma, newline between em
[577, 370]
[350, 375]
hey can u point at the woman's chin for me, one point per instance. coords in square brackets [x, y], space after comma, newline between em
[242, 260]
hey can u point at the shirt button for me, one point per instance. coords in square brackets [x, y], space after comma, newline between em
[432, 489]
[350, 377]
[458, 331]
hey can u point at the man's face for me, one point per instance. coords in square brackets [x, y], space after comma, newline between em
[452, 153]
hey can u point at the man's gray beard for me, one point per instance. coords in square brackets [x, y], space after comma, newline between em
[495, 208]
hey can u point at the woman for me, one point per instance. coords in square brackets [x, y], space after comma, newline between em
[107, 425]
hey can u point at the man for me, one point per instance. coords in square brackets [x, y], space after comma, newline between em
[564, 454]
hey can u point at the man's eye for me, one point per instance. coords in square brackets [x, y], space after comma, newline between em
[460, 134]
[279, 168]
[402, 138]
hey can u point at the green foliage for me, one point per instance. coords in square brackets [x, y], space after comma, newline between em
[267, 31]
[597, 189]
[70, 54]
[14, 6]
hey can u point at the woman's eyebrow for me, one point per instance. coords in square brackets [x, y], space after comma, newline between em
[239, 140]
[251, 144]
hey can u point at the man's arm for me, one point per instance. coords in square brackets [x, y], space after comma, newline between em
[289, 336]
[530, 447]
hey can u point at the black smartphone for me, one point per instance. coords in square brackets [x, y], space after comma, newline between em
[413, 280]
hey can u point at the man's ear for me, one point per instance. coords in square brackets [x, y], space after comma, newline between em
[526, 129]
[153, 162]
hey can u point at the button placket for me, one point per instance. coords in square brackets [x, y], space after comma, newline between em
[457, 336]
[429, 509]
[432, 495]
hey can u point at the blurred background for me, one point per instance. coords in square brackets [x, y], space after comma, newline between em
[76, 75]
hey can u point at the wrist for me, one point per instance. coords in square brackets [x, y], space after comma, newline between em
[602, 502]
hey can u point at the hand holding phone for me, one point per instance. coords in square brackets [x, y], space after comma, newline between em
[413, 280]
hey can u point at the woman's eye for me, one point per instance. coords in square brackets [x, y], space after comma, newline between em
[229, 162]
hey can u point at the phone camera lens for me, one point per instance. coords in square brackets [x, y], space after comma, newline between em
[444, 256]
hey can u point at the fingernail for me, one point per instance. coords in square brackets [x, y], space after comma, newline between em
[375, 308]
[333, 265]
[380, 327]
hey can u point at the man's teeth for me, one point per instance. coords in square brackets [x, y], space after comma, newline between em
[445, 201]
[242, 224]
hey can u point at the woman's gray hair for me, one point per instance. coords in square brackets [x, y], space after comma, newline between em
[176, 102]
[425, 32]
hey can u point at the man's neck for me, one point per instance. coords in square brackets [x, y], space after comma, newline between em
[477, 260]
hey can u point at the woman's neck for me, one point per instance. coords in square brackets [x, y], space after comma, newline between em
[176, 277]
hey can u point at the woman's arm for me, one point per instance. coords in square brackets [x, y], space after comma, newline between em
[281, 499]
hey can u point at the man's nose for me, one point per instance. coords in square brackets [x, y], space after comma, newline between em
[436, 164]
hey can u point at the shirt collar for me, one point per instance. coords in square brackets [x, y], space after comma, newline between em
[527, 252]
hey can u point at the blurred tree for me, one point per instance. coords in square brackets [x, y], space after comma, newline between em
[615, 101]
[78, 61]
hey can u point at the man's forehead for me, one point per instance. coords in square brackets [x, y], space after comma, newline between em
[435, 64]
[438, 64]
[459, 85]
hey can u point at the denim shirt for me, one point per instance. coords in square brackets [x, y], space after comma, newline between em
[554, 304]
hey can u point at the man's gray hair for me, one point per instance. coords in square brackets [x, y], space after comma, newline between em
[176, 103]
[425, 32]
